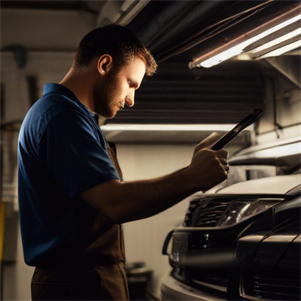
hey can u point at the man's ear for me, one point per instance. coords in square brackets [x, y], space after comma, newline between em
[104, 63]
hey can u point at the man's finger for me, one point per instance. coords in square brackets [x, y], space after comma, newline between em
[226, 168]
[222, 153]
[223, 161]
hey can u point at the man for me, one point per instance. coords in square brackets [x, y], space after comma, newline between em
[72, 199]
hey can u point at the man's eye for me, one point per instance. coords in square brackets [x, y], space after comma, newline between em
[133, 84]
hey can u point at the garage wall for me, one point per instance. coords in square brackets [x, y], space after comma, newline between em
[36, 43]
[50, 30]
[282, 118]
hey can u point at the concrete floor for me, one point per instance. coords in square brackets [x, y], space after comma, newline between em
[17, 277]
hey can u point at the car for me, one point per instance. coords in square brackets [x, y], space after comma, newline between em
[239, 241]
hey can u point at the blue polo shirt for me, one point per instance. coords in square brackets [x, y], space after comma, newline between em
[61, 153]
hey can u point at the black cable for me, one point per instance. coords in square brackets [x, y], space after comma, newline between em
[191, 42]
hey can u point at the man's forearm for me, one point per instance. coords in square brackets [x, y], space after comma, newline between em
[126, 201]
[146, 198]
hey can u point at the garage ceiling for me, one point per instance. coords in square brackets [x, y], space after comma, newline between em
[176, 32]
[90, 6]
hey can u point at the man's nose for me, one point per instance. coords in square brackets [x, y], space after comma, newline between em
[130, 99]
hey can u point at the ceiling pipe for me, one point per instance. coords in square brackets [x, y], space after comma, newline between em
[163, 21]
[207, 17]
[186, 18]
[109, 13]
[131, 9]
[206, 34]
[119, 12]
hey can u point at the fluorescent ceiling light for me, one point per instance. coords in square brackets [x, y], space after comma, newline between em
[170, 127]
[279, 40]
[280, 151]
[282, 50]
[238, 49]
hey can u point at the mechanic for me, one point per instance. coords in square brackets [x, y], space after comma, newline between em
[71, 194]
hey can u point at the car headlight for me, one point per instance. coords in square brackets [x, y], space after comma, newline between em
[239, 210]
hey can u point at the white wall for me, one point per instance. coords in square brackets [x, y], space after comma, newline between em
[15, 91]
[282, 115]
[50, 38]
[45, 66]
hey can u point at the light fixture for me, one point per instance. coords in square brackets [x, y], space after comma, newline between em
[288, 36]
[169, 127]
[237, 45]
[282, 50]
[225, 55]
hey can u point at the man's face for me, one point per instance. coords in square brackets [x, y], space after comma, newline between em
[117, 89]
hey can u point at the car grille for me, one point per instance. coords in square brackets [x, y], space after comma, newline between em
[271, 285]
[189, 213]
[205, 212]
[216, 279]
[208, 280]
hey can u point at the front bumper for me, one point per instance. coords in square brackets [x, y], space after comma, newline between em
[171, 289]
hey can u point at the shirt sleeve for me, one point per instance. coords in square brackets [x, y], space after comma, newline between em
[74, 155]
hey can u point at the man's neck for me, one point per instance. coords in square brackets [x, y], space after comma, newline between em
[81, 84]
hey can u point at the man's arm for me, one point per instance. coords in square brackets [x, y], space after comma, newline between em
[127, 201]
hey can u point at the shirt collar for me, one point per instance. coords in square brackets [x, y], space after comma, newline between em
[57, 88]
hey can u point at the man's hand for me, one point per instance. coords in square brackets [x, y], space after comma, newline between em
[208, 168]
[208, 142]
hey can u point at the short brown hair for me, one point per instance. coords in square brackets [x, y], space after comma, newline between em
[117, 41]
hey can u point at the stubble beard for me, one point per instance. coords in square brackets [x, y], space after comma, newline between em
[103, 95]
